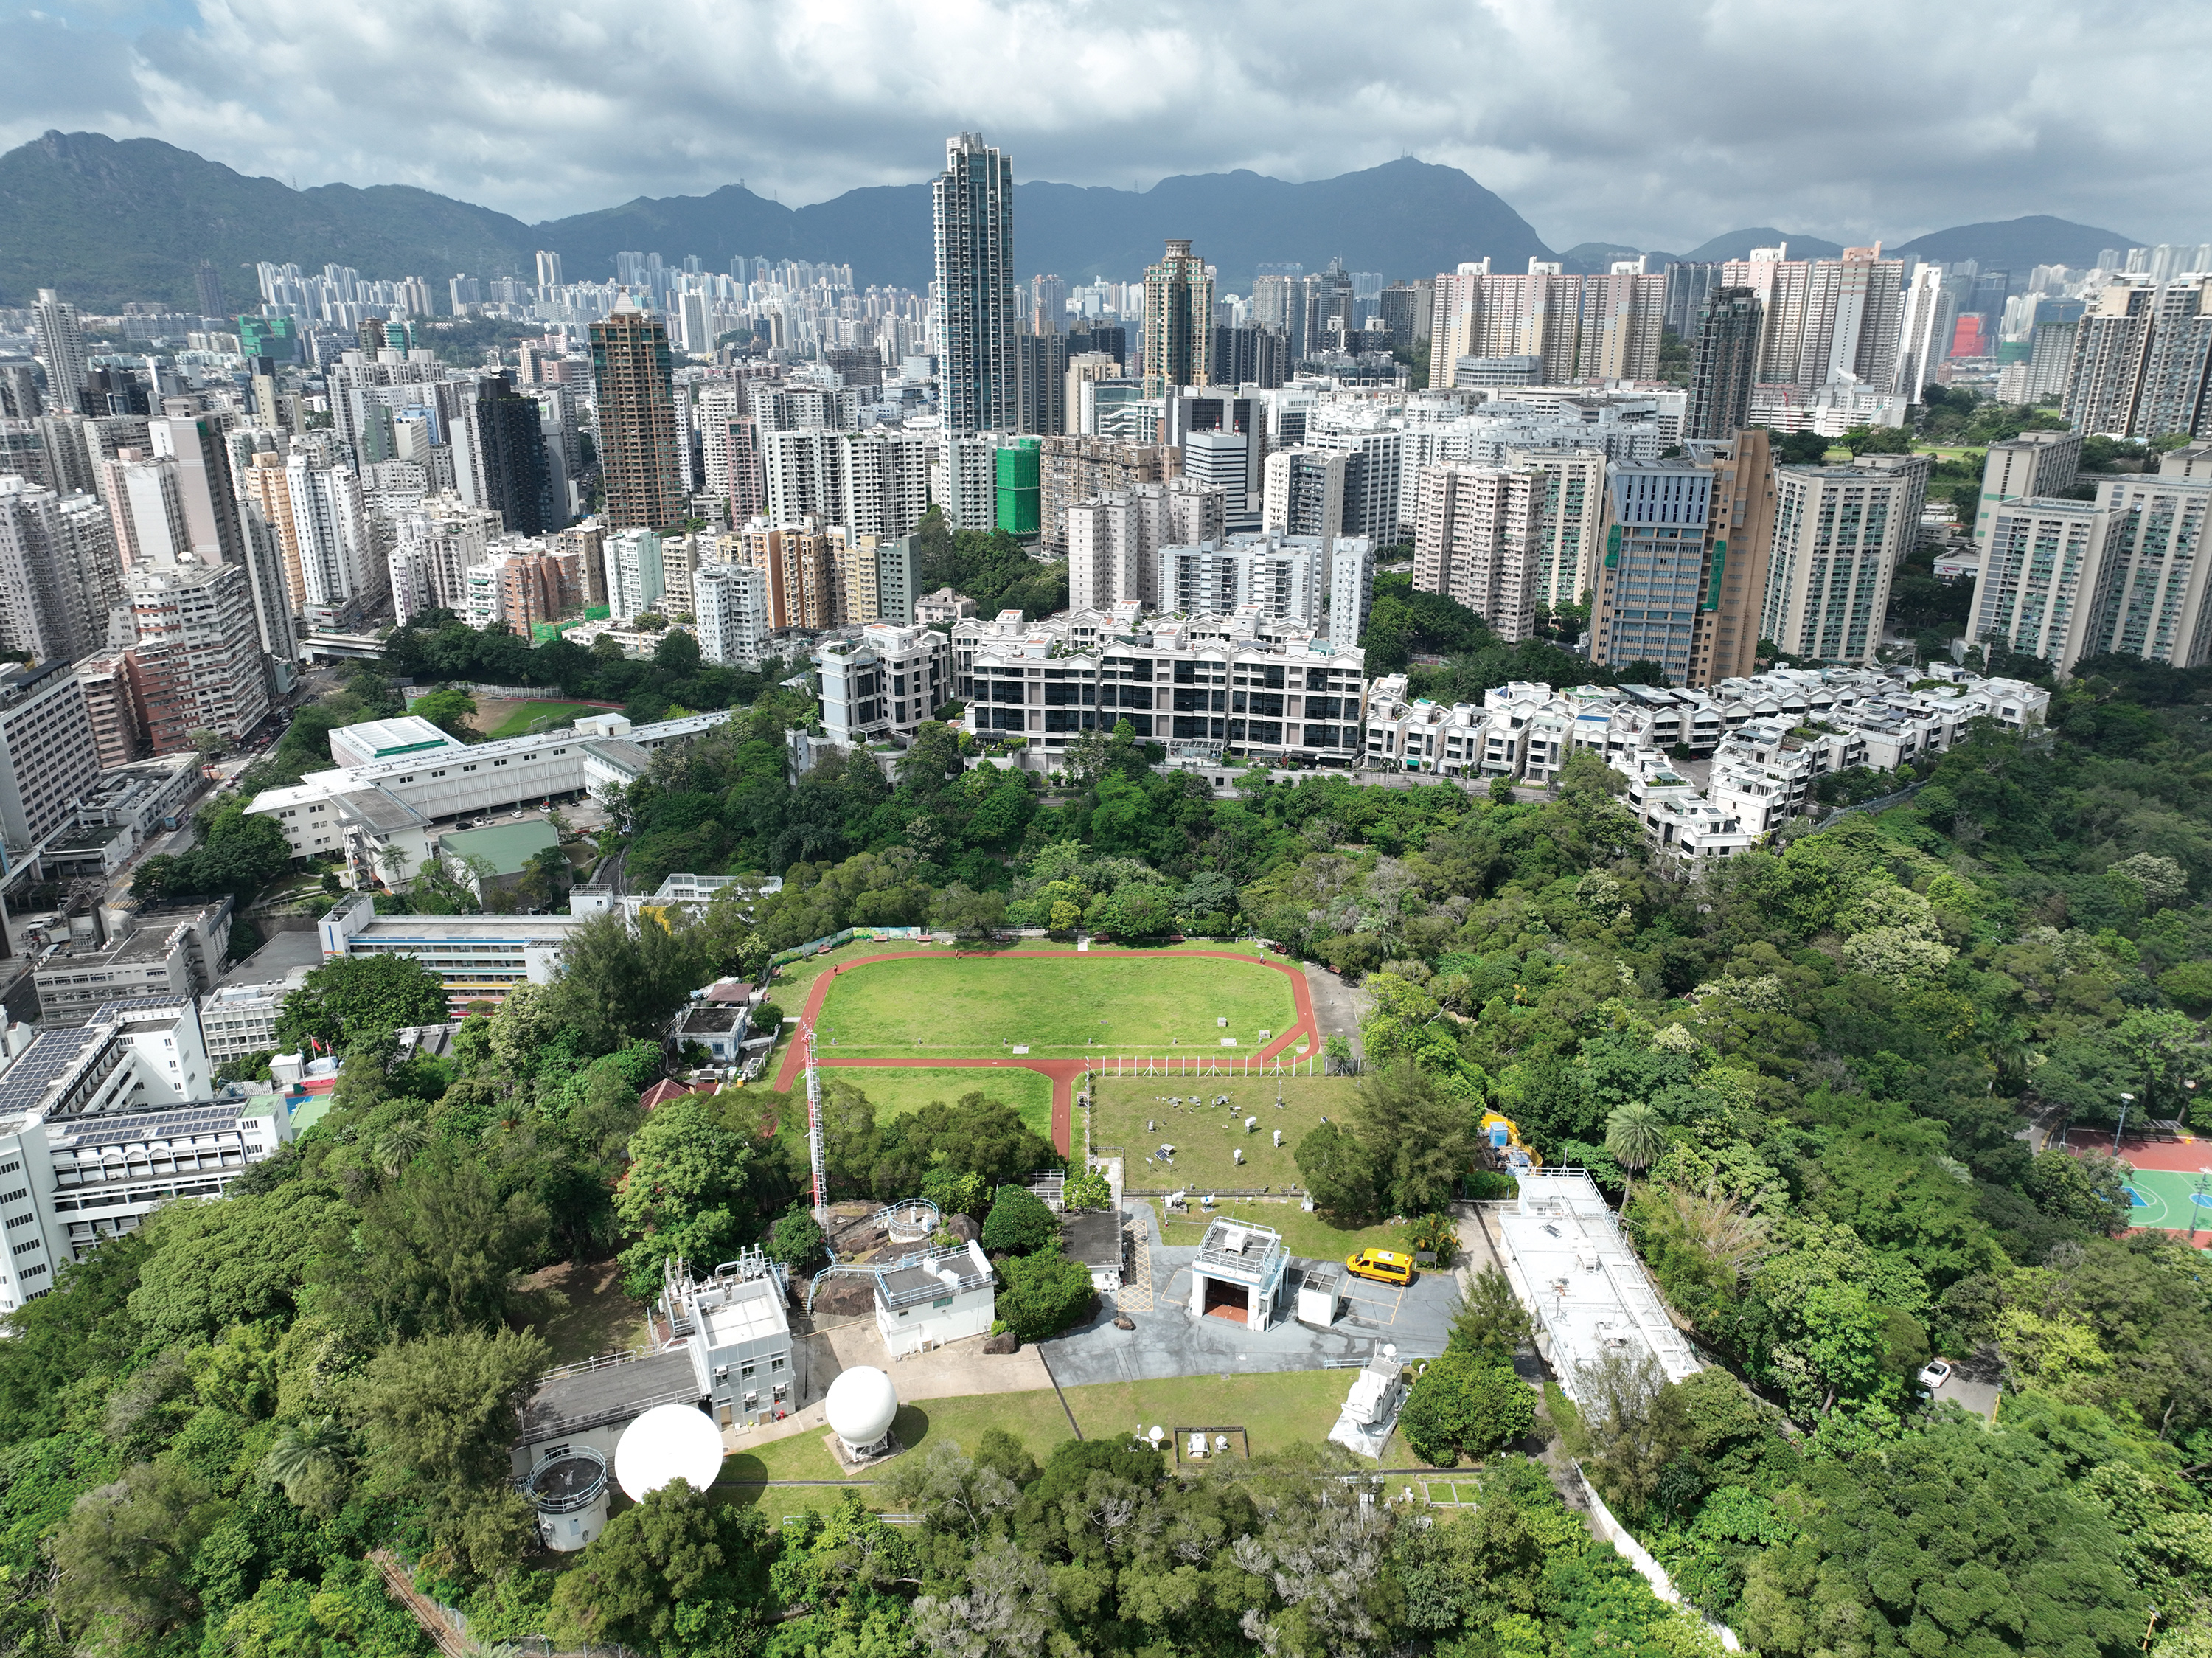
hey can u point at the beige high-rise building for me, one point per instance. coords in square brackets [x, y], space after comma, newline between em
[2151, 594]
[1577, 328]
[1178, 321]
[266, 491]
[1822, 320]
[1564, 557]
[800, 566]
[2037, 588]
[1073, 469]
[1476, 530]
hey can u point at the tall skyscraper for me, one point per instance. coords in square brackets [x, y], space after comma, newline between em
[1253, 357]
[1303, 493]
[1684, 571]
[1563, 557]
[59, 576]
[1043, 396]
[972, 206]
[1475, 532]
[1178, 321]
[264, 494]
[340, 579]
[197, 664]
[512, 448]
[1824, 319]
[729, 604]
[1593, 327]
[1837, 531]
[2045, 464]
[2151, 594]
[548, 270]
[641, 447]
[209, 281]
[61, 348]
[1723, 360]
[1918, 342]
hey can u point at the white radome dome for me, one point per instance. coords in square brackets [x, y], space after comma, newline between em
[860, 1405]
[668, 1442]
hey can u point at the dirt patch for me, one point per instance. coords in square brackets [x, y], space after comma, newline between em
[598, 1317]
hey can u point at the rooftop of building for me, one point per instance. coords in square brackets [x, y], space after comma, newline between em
[468, 930]
[590, 1396]
[1092, 1236]
[507, 848]
[298, 947]
[409, 734]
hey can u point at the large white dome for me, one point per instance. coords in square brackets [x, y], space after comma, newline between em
[669, 1442]
[860, 1405]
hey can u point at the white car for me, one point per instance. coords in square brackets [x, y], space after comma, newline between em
[1937, 1372]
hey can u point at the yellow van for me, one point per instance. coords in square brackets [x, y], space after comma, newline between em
[1384, 1265]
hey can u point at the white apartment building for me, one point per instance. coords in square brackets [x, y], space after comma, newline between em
[1351, 589]
[2041, 562]
[883, 685]
[1477, 530]
[1203, 685]
[1114, 539]
[1838, 532]
[2150, 596]
[330, 534]
[872, 483]
[173, 953]
[635, 581]
[730, 613]
[434, 547]
[49, 760]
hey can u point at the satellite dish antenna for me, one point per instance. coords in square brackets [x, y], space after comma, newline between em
[667, 1443]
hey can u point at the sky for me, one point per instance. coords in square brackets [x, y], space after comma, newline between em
[1649, 123]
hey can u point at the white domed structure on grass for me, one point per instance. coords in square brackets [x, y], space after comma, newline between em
[859, 1406]
[668, 1442]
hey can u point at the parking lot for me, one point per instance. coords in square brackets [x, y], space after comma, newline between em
[1168, 1341]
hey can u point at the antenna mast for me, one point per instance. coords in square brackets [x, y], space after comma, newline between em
[814, 1132]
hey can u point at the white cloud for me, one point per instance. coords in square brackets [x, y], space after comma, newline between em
[1656, 124]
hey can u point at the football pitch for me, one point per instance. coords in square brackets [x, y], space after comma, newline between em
[1062, 1006]
[897, 1091]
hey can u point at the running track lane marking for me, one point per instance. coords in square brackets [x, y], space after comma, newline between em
[1064, 1072]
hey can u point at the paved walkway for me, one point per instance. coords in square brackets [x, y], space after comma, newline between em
[957, 1370]
[1168, 1341]
[1065, 1073]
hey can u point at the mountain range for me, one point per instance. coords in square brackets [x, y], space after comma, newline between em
[107, 221]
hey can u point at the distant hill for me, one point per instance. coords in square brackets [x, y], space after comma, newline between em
[106, 221]
[1738, 244]
[1596, 258]
[2017, 244]
[1405, 218]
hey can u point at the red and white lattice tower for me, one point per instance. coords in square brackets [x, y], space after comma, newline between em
[814, 1131]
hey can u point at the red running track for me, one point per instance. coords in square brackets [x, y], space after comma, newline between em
[2184, 1155]
[1065, 1073]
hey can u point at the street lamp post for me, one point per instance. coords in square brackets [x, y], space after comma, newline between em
[2126, 1100]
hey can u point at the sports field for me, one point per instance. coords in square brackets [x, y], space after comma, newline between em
[897, 1091]
[1062, 1005]
[520, 717]
[1140, 1114]
[2168, 1200]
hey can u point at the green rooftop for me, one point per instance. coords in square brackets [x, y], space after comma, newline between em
[507, 847]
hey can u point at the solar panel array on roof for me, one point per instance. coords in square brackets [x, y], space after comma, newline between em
[100, 1130]
[50, 1056]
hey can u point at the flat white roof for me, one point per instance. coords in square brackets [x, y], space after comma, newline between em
[1586, 1286]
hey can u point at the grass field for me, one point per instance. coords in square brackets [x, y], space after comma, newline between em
[1062, 1005]
[895, 1091]
[1302, 1234]
[1205, 1135]
[1276, 1411]
[520, 716]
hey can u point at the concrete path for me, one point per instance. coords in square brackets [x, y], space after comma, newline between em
[1168, 1341]
[957, 1370]
[1336, 1005]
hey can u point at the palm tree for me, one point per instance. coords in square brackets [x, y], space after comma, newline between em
[1636, 1136]
[397, 1146]
[308, 1460]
